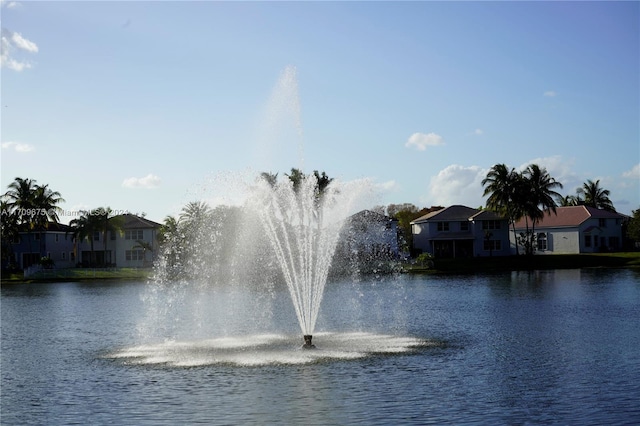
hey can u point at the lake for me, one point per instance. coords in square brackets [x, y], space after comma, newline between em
[541, 347]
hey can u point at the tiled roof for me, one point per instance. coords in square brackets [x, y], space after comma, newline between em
[131, 221]
[451, 213]
[569, 217]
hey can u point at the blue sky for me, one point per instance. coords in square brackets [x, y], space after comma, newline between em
[145, 106]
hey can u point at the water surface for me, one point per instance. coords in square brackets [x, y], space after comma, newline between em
[512, 348]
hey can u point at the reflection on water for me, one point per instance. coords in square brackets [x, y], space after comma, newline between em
[509, 348]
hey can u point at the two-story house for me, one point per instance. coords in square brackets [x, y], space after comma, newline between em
[53, 241]
[576, 229]
[134, 245]
[460, 231]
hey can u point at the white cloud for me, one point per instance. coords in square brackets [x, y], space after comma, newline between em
[478, 131]
[11, 43]
[421, 141]
[147, 182]
[18, 146]
[550, 94]
[458, 184]
[562, 170]
[634, 173]
[9, 4]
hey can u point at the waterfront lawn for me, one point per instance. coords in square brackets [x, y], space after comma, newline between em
[81, 274]
[551, 261]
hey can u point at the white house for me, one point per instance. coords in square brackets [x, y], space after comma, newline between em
[460, 231]
[135, 245]
[576, 229]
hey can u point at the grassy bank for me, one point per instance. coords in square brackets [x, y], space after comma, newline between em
[80, 274]
[517, 263]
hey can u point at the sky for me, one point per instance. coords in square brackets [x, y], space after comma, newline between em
[146, 106]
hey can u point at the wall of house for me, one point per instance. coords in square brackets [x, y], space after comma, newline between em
[56, 245]
[420, 237]
[501, 235]
[124, 241]
[601, 236]
[561, 241]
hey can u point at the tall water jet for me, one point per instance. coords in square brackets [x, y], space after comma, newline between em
[221, 251]
[298, 216]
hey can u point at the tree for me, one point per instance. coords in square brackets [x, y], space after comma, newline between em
[9, 232]
[504, 187]
[569, 201]
[539, 196]
[633, 228]
[106, 223]
[31, 206]
[84, 227]
[595, 196]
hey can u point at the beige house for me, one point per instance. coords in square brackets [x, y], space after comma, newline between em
[576, 229]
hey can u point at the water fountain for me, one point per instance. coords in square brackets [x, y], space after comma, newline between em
[217, 273]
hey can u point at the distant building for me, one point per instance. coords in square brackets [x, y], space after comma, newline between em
[135, 245]
[53, 241]
[459, 231]
[576, 229]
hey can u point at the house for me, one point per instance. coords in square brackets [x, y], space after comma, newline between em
[370, 235]
[460, 231]
[135, 245]
[576, 229]
[53, 241]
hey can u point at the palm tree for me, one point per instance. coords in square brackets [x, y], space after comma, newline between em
[595, 196]
[144, 246]
[9, 231]
[84, 227]
[107, 223]
[32, 206]
[19, 197]
[540, 197]
[502, 184]
[569, 201]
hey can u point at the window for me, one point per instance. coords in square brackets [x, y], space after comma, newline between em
[133, 234]
[112, 235]
[443, 226]
[490, 245]
[464, 226]
[134, 255]
[542, 241]
[64, 256]
[602, 223]
[490, 224]
[72, 256]
[96, 235]
[614, 243]
[587, 240]
[36, 236]
[57, 237]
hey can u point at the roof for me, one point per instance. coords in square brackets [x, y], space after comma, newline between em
[448, 214]
[570, 216]
[131, 221]
[49, 227]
